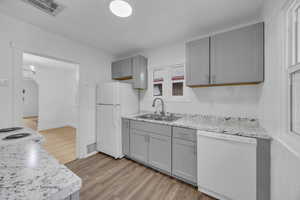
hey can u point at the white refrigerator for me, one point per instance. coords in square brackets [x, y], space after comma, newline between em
[114, 100]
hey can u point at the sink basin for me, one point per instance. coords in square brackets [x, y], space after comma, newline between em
[167, 118]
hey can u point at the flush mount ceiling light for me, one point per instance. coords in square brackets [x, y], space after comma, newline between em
[120, 8]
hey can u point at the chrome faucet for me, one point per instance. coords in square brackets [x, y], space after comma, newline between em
[162, 105]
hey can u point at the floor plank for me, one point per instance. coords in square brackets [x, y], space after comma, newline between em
[60, 142]
[105, 178]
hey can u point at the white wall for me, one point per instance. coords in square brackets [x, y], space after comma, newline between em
[285, 159]
[94, 67]
[31, 103]
[225, 101]
[266, 101]
[57, 97]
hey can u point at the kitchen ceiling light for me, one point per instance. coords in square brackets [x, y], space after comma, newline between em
[120, 8]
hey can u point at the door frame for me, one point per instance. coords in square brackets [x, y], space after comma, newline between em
[16, 77]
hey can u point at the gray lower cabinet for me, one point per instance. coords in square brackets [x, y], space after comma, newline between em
[197, 62]
[139, 145]
[160, 152]
[125, 137]
[150, 143]
[184, 154]
[184, 160]
[155, 146]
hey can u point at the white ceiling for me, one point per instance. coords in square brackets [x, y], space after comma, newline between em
[153, 23]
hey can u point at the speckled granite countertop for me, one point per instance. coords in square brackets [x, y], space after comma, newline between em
[28, 172]
[34, 136]
[224, 125]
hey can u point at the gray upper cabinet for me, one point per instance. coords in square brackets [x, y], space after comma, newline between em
[197, 62]
[140, 73]
[230, 58]
[122, 69]
[160, 152]
[116, 68]
[134, 68]
[237, 56]
[125, 137]
[126, 68]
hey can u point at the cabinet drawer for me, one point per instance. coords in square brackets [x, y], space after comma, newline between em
[185, 134]
[151, 127]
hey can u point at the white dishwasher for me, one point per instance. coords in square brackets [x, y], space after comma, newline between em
[226, 166]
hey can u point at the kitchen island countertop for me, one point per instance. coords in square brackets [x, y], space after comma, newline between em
[28, 172]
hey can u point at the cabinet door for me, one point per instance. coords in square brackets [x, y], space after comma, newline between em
[125, 137]
[140, 73]
[116, 69]
[237, 56]
[126, 69]
[197, 62]
[160, 152]
[184, 160]
[139, 145]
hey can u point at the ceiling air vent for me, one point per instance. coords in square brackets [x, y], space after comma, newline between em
[48, 6]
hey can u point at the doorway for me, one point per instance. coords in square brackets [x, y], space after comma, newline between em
[50, 103]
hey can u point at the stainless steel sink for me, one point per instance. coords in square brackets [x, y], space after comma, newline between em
[157, 117]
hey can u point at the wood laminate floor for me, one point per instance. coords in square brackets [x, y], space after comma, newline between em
[60, 142]
[105, 178]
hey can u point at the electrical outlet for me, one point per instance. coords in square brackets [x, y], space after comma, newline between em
[3, 82]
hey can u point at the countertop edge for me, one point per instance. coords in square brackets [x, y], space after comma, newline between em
[241, 134]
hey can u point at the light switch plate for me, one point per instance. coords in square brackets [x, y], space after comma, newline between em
[3, 82]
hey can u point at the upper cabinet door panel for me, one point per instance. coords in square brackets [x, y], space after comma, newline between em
[140, 73]
[237, 56]
[126, 68]
[197, 62]
[116, 69]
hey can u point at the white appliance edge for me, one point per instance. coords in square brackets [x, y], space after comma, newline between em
[114, 99]
[226, 166]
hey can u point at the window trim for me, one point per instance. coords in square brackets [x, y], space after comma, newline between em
[167, 85]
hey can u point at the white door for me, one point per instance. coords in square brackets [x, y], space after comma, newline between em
[30, 98]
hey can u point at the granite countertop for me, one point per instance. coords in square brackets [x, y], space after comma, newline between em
[34, 136]
[28, 172]
[224, 125]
